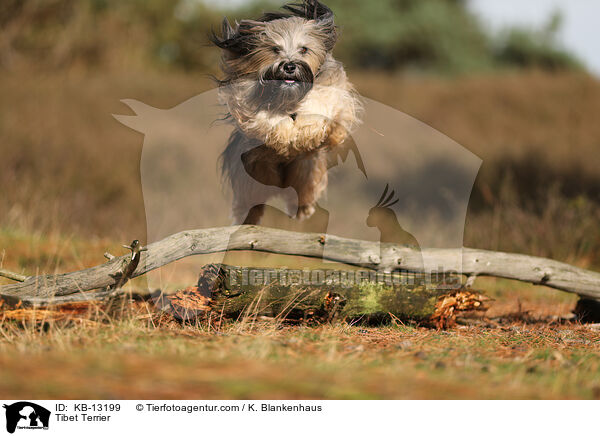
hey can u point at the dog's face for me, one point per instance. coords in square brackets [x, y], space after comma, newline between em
[280, 54]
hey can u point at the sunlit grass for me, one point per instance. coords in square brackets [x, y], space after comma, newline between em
[129, 356]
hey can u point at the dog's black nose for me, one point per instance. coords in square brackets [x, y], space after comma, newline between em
[289, 67]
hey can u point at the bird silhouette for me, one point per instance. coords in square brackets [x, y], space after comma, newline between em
[384, 218]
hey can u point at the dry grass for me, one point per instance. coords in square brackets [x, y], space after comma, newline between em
[133, 355]
[505, 117]
[69, 167]
[67, 164]
[538, 140]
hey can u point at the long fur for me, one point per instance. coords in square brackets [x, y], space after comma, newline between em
[290, 102]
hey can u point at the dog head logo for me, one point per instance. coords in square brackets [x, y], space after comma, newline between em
[26, 415]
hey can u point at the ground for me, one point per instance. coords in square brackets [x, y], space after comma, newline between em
[520, 350]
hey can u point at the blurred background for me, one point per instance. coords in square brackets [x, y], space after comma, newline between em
[514, 82]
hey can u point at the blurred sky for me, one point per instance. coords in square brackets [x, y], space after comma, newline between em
[580, 31]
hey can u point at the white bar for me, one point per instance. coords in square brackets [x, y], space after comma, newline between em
[464, 418]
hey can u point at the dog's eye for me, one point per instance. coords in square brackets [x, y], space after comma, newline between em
[276, 50]
[303, 50]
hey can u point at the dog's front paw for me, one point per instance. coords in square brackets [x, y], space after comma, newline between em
[336, 134]
[305, 212]
[312, 131]
[281, 137]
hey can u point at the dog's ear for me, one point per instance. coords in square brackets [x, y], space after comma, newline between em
[238, 41]
[225, 40]
[317, 11]
[226, 29]
[328, 29]
[310, 9]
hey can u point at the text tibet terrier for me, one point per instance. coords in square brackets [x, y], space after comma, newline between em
[290, 102]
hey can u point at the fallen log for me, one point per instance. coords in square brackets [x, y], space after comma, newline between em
[366, 254]
[321, 295]
[279, 292]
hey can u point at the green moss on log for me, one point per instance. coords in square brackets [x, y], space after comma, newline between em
[279, 292]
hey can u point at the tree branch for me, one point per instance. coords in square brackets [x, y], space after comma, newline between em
[12, 275]
[468, 261]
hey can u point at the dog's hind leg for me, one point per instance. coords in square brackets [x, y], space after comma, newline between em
[247, 210]
[308, 176]
[255, 214]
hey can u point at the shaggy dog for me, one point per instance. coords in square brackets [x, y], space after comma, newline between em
[290, 102]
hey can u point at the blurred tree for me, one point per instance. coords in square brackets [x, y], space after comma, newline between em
[423, 34]
[439, 36]
[535, 48]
